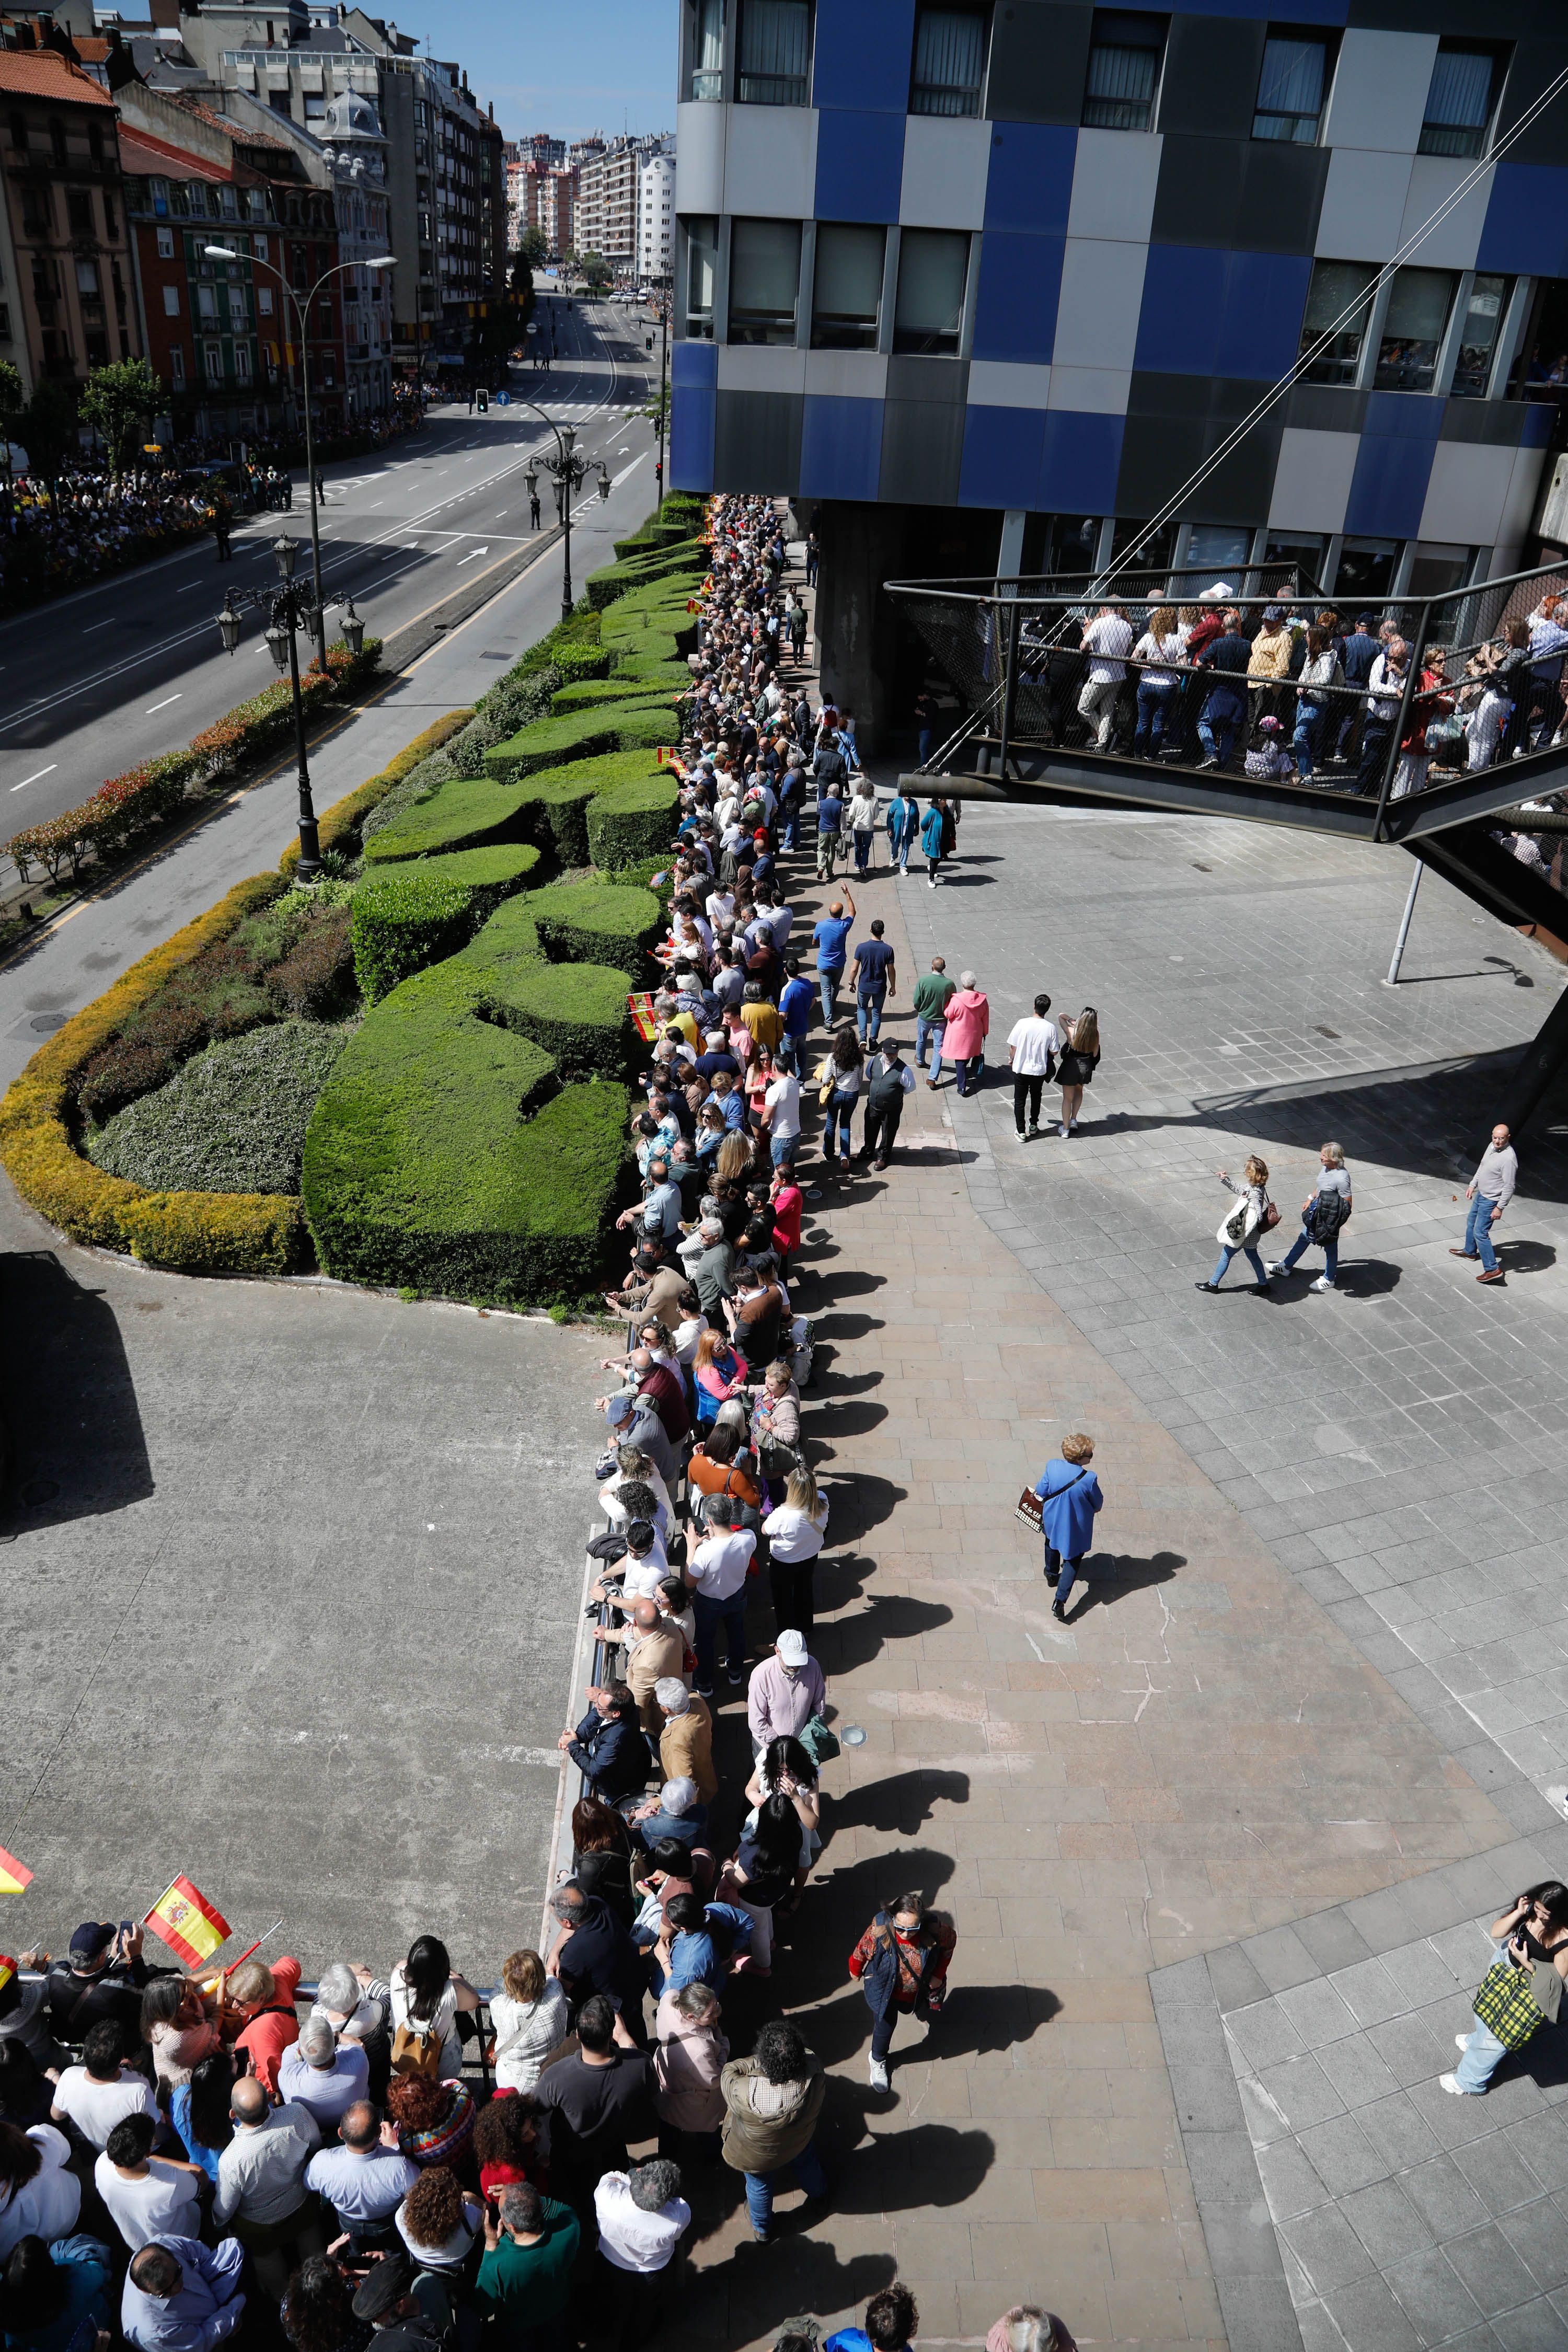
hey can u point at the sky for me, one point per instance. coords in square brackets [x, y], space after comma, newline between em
[565, 66]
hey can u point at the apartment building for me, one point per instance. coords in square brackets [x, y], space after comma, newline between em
[656, 215]
[67, 301]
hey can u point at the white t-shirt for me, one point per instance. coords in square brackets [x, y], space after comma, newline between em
[1032, 1041]
[95, 2108]
[792, 1535]
[1108, 637]
[631, 2238]
[718, 1564]
[782, 1099]
[163, 2205]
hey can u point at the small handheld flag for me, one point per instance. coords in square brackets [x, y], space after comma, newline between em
[7, 1969]
[187, 1923]
[14, 1874]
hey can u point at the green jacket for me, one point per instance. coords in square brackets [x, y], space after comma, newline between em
[754, 2143]
[931, 991]
[522, 2286]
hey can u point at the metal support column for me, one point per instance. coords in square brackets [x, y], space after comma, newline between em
[1392, 980]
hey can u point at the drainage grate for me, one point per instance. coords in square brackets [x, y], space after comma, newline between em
[45, 1024]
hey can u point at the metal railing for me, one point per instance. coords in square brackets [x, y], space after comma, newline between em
[1467, 680]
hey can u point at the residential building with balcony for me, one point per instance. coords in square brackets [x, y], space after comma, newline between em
[994, 287]
[67, 303]
[656, 215]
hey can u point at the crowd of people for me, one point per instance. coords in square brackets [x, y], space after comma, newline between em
[1296, 693]
[410, 2157]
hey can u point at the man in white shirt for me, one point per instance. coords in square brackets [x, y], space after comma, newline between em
[146, 2196]
[101, 2091]
[782, 1102]
[716, 1575]
[261, 2185]
[641, 2216]
[321, 2074]
[1033, 1045]
[1105, 639]
[364, 2180]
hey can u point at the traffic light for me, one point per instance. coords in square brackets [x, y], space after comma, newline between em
[484, 402]
[647, 342]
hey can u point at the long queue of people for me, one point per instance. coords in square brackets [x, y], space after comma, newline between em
[409, 2157]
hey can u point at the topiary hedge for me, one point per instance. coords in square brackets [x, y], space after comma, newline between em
[578, 1012]
[597, 922]
[636, 725]
[596, 693]
[462, 813]
[340, 827]
[232, 1120]
[633, 822]
[404, 920]
[613, 581]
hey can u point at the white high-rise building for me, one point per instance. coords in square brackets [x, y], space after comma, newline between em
[656, 215]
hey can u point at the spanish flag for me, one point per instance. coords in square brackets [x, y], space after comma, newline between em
[187, 1923]
[7, 1969]
[14, 1874]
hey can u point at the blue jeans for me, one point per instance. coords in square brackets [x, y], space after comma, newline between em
[970, 1074]
[840, 1111]
[782, 1149]
[809, 2176]
[862, 851]
[898, 850]
[1304, 742]
[828, 984]
[710, 1615]
[1480, 2059]
[1216, 735]
[1478, 1232]
[1060, 1571]
[933, 1030]
[1303, 1241]
[1226, 1252]
[1153, 702]
[1374, 739]
[869, 1017]
[923, 749]
[790, 821]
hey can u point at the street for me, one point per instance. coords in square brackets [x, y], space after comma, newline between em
[126, 671]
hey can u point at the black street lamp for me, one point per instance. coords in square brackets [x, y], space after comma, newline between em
[292, 608]
[568, 470]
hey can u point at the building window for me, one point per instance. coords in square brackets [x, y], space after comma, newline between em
[238, 318]
[177, 367]
[775, 53]
[1123, 71]
[171, 301]
[197, 199]
[56, 139]
[79, 207]
[933, 271]
[1292, 88]
[158, 192]
[110, 231]
[19, 133]
[1436, 569]
[1366, 570]
[1338, 306]
[264, 300]
[207, 301]
[847, 298]
[1478, 336]
[1466, 80]
[315, 111]
[4, 322]
[97, 348]
[701, 263]
[213, 353]
[1418, 307]
[87, 278]
[258, 245]
[242, 362]
[764, 280]
[950, 60]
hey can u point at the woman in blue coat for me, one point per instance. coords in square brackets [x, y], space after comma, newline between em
[1070, 1494]
[931, 840]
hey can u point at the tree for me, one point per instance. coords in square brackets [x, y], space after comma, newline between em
[13, 399]
[49, 430]
[114, 402]
[594, 269]
[535, 249]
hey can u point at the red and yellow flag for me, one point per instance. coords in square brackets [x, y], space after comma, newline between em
[7, 1969]
[187, 1923]
[14, 1874]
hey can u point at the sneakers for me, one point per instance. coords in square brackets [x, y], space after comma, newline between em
[1461, 2040]
[1207, 764]
[736, 1679]
[1064, 1130]
[1322, 1283]
[704, 1690]
[1452, 2085]
[931, 881]
[880, 2074]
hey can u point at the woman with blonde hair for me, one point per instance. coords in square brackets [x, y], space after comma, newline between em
[530, 2018]
[1324, 1212]
[1076, 1064]
[1069, 1501]
[1240, 1227]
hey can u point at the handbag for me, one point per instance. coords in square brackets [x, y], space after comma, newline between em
[820, 1744]
[1030, 1509]
[1270, 1215]
[1505, 2002]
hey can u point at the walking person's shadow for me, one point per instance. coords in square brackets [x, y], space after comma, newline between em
[1112, 1576]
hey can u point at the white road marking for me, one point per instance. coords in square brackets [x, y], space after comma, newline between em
[34, 777]
[473, 551]
[97, 625]
[163, 705]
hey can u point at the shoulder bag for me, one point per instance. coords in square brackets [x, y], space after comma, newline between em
[822, 1744]
[1514, 2002]
[1030, 1507]
[416, 2049]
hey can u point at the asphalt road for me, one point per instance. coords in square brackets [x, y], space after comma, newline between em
[76, 956]
[117, 673]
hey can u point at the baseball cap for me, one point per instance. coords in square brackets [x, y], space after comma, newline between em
[92, 1940]
[385, 2282]
[790, 1647]
[619, 1409]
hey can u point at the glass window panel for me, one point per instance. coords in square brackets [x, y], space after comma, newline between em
[848, 294]
[1478, 337]
[702, 265]
[950, 61]
[1337, 287]
[1459, 102]
[707, 23]
[1436, 569]
[1123, 68]
[1418, 306]
[1366, 570]
[764, 280]
[1217, 545]
[775, 52]
[1291, 89]
[933, 268]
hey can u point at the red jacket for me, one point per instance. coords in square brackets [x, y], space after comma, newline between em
[268, 2035]
[668, 1398]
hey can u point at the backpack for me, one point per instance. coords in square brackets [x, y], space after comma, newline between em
[416, 2050]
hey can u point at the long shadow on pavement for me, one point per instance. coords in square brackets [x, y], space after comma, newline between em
[68, 1413]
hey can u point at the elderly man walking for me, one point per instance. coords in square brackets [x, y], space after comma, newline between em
[1489, 1192]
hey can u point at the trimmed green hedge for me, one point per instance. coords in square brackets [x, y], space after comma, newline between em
[441, 1156]
[462, 813]
[578, 1012]
[642, 723]
[403, 921]
[650, 670]
[597, 922]
[504, 949]
[633, 822]
[594, 693]
[232, 1120]
[613, 581]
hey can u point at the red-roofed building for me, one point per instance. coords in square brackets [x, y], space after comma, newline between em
[68, 300]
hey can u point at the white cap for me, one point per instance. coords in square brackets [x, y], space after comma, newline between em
[790, 1647]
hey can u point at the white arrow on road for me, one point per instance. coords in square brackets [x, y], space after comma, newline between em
[469, 558]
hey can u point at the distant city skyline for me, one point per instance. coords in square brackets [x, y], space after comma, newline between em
[602, 64]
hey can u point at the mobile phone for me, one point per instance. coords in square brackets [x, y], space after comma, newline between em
[127, 1930]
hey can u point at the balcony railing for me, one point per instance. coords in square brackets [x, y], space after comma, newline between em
[1449, 707]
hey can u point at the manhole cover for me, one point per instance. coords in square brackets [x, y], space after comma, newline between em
[40, 1490]
[45, 1024]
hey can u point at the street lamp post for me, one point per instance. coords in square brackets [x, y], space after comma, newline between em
[302, 313]
[292, 608]
[568, 470]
